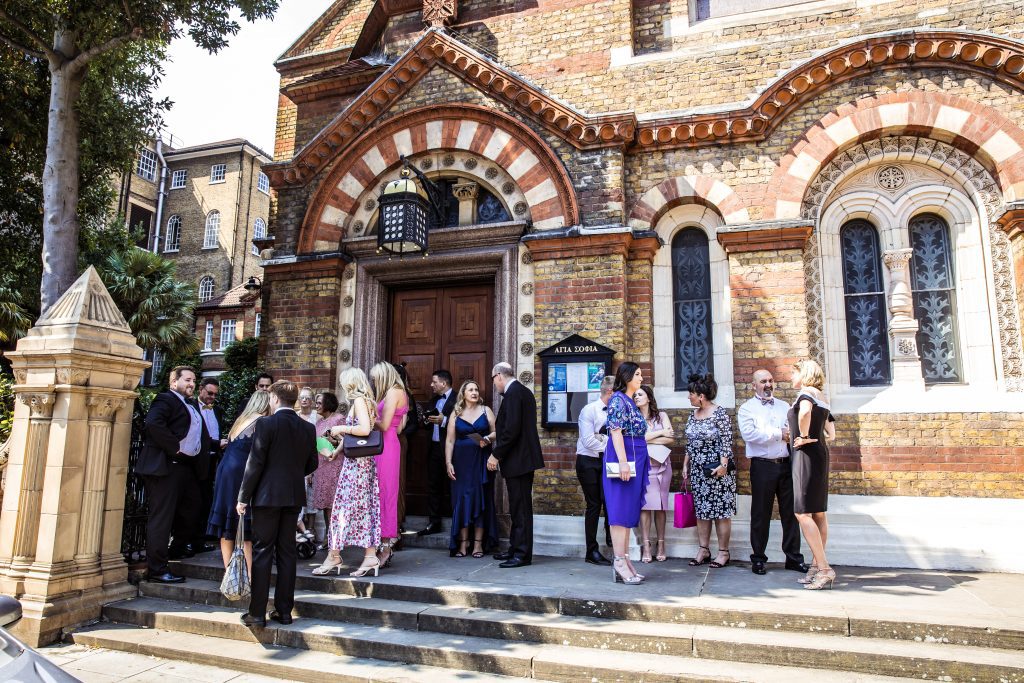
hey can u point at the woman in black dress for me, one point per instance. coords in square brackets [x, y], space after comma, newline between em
[812, 427]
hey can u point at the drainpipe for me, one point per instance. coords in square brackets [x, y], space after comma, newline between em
[238, 208]
[160, 194]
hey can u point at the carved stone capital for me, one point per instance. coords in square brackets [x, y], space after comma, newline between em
[76, 376]
[104, 407]
[897, 259]
[438, 12]
[41, 404]
[465, 191]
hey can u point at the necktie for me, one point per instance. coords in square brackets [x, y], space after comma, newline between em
[766, 401]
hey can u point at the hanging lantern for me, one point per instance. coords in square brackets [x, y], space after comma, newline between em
[404, 217]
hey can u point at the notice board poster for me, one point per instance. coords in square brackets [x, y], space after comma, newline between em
[573, 371]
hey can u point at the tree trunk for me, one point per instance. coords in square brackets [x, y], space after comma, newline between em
[60, 177]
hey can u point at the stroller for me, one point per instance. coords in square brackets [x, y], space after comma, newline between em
[305, 546]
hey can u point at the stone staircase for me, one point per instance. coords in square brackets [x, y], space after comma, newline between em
[406, 626]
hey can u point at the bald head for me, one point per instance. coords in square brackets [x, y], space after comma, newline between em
[764, 384]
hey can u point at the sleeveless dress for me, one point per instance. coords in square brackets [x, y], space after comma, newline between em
[707, 440]
[810, 461]
[660, 473]
[325, 478]
[473, 487]
[355, 513]
[223, 521]
[624, 499]
[389, 474]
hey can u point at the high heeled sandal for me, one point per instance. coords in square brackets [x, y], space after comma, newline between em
[661, 556]
[326, 568]
[619, 569]
[695, 562]
[365, 569]
[478, 553]
[463, 547]
[718, 565]
[822, 580]
[645, 556]
[385, 551]
[809, 576]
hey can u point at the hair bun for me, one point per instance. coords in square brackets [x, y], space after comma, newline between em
[694, 377]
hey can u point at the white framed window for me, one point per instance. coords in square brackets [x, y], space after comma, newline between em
[227, 332]
[211, 234]
[208, 337]
[146, 167]
[218, 172]
[172, 241]
[158, 364]
[259, 232]
[178, 179]
[263, 183]
[256, 327]
[206, 289]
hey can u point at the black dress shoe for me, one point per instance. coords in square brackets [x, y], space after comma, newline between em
[758, 568]
[514, 562]
[166, 577]
[284, 619]
[595, 557]
[797, 566]
[180, 553]
[250, 620]
[430, 529]
[503, 556]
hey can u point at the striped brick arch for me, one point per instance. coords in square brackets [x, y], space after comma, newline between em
[980, 131]
[684, 190]
[536, 171]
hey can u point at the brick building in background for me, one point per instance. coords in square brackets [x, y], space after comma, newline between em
[216, 200]
[697, 186]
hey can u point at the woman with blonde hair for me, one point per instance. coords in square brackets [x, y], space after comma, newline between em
[304, 408]
[467, 447]
[223, 521]
[811, 427]
[392, 405]
[355, 515]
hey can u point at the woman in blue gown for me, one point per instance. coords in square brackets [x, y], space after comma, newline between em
[472, 484]
[223, 521]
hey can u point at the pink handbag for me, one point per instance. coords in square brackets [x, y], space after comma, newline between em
[685, 513]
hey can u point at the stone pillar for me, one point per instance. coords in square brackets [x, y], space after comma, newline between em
[1012, 223]
[466, 193]
[60, 525]
[906, 364]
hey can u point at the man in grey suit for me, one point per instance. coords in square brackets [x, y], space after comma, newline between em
[283, 453]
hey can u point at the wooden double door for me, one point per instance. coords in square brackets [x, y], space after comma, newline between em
[433, 328]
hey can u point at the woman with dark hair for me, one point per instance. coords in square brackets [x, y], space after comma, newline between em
[710, 467]
[626, 466]
[325, 478]
[660, 437]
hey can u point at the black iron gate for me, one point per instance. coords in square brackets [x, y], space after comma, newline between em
[136, 508]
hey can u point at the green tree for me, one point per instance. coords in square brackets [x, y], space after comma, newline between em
[73, 38]
[236, 384]
[14, 319]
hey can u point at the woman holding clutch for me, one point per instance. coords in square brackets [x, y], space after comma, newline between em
[660, 438]
[626, 467]
[467, 446]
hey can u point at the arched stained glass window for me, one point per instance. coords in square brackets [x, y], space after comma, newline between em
[864, 293]
[691, 298]
[934, 289]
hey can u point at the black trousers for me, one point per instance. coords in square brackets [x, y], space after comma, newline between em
[520, 510]
[273, 542]
[438, 488]
[769, 480]
[174, 501]
[590, 472]
[206, 502]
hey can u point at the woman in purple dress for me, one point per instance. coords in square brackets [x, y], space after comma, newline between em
[625, 459]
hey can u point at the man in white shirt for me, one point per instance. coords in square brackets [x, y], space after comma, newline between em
[590, 467]
[441, 405]
[763, 424]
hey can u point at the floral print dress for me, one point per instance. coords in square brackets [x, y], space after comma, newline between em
[355, 517]
[707, 440]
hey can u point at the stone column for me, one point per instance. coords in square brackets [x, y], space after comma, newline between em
[906, 364]
[466, 193]
[60, 526]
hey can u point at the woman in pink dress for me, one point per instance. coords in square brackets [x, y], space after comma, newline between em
[392, 405]
[325, 479]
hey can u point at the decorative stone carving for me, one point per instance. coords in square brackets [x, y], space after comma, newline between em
[508, 187]
[357, 227]
[437, 13]
[526, 320]
[520, 208]
[76, 376]
[86, 301]
[902, 326]
[103, 407]
[470, 163]
[890, 177]
[370, 204]
[448, 160]
[348, 301]
[346, 330]
[426, 163]
[526, 377]
[907, 347]
[527, 289]
[526, 349]
[350, 272]
[491, 173]
[40, 404]
[130, 382]
[345, 356]
[465, 191]
[527, 258]
[20, 376]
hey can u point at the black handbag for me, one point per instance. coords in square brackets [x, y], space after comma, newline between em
[363, 446]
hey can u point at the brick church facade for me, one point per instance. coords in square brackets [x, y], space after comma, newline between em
[695, 185]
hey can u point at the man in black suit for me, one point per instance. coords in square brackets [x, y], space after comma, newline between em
[176, 442]
[283, 454]
[213, 418]
[440, 408]
[517, 452]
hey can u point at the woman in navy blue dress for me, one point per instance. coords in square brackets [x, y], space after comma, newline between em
[625, 493]
[223, 522]
[472, 483]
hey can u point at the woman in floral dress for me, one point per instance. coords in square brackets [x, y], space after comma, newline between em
[355, 515]
[710, 468]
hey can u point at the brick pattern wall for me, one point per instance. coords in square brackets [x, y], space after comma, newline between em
[245, 326]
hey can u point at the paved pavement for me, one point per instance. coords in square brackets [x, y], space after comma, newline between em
[109, 666]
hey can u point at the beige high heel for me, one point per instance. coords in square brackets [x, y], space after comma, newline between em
[809, 576]
[327, 567]
[822, 580]
[661, 556]
[620, 573]
[645, 556]
[364, 569]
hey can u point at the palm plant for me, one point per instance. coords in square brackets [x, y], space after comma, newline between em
[158, 307]
[14, 319]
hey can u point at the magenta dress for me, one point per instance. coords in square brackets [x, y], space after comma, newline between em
[325, 479]
[389, 472]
